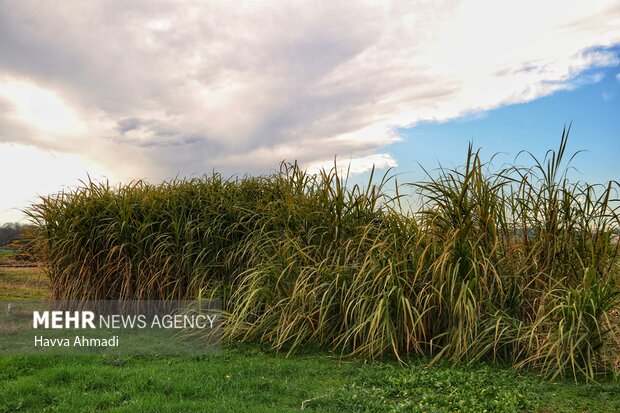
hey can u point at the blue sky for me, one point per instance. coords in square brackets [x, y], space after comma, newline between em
[593, 107]
[156, 89]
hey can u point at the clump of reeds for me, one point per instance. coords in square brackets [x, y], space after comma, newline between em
[516, 265]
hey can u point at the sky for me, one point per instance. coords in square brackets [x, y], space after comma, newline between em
[125, 90]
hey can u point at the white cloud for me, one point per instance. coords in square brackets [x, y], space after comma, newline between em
[155, 88]
[45, 119]
[28, 172]
[354, 166]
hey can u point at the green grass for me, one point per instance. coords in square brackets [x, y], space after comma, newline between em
[23, 284]
[6, 255]
[6, 251]
[13, 255]
[247, 378]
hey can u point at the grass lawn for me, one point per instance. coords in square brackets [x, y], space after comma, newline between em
[248, 378]
[6, 255]
[244, 378]
[23, 283]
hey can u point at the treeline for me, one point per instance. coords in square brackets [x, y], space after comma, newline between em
[10, 232]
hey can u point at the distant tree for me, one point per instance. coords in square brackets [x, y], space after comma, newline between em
[10, 232]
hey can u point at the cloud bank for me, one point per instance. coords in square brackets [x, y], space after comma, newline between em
[154, 89]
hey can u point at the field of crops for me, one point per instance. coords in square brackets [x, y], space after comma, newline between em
[252, 378]
[515, 265]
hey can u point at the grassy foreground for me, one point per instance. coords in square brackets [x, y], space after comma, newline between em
[248, 379]
[23, 283]
[245, 378]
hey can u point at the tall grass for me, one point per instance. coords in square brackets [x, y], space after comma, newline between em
[516, 265]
